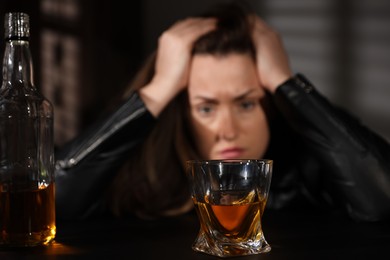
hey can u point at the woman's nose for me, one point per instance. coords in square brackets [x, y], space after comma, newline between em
[228, 128]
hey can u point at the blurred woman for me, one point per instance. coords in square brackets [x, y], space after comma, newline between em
[220, 87]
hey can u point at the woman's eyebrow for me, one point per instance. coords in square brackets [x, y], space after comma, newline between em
[214, 100]
[244, 95]
[206, 99]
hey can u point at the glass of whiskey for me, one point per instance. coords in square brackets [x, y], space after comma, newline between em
[230, 198]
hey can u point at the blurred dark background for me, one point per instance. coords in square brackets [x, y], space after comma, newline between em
[86, 51]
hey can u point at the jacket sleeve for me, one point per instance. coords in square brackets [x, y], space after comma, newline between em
[86, 165]
[354, 161]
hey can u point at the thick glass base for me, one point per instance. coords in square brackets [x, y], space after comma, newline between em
[229, 248]
[28, 240]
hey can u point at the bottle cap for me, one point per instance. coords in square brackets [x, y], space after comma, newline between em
[17, 25]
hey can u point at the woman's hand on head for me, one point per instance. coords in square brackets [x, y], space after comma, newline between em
[173, 61]
[272, 61]
[174, 50]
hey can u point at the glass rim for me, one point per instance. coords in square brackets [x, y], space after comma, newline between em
[220, 161]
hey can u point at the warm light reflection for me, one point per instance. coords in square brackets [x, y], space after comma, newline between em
[56, 248]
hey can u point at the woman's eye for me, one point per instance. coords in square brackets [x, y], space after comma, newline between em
[205, 110]
[247, 105]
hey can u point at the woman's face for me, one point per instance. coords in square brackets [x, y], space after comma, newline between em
[227, 119]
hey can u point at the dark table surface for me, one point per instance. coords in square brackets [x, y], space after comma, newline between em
[291, 234]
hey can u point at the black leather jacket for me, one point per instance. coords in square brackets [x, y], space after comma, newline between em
[322, 155]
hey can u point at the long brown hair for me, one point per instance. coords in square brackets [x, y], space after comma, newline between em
[152, 182]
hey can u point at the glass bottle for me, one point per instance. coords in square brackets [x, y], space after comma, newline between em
[27, 204]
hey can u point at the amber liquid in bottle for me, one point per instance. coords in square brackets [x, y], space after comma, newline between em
[32, 221]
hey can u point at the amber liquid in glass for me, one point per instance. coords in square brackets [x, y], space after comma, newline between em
[27, 217]
[231, 216]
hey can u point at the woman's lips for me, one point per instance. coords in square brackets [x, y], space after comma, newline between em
[231, 153]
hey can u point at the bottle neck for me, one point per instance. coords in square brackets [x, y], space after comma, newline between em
[17, 64]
